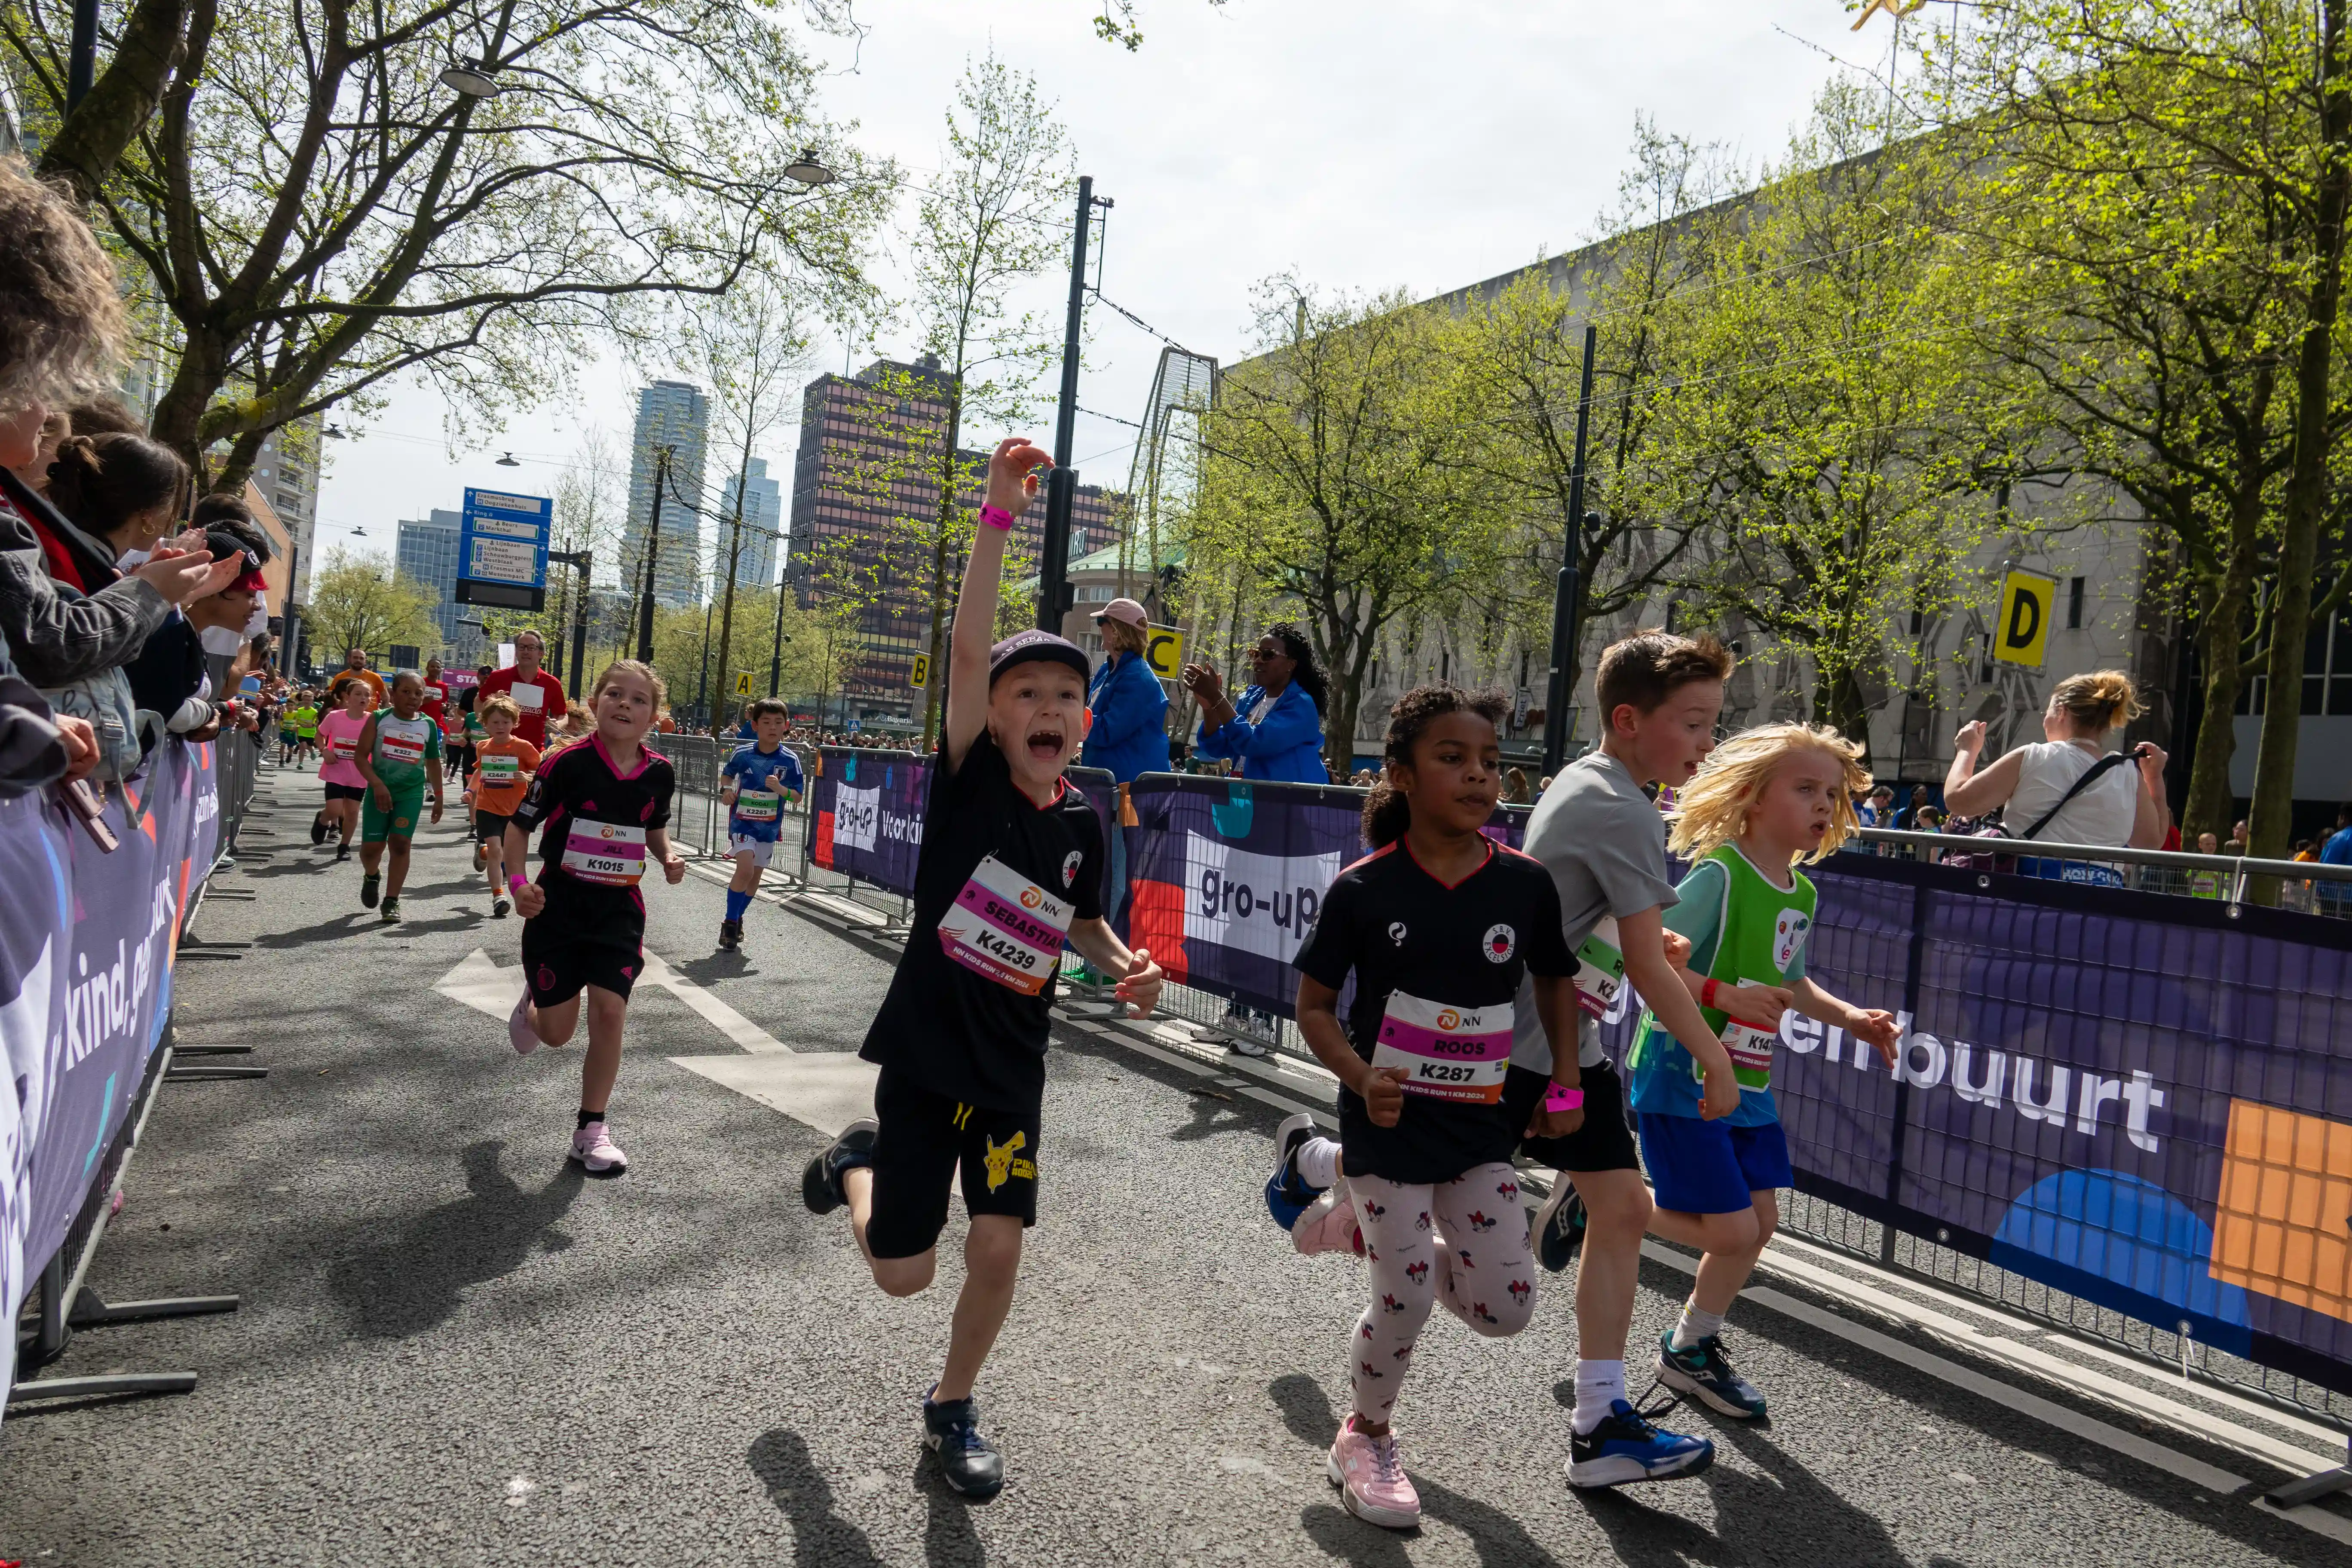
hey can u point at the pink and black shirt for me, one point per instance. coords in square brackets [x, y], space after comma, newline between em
[594, 821]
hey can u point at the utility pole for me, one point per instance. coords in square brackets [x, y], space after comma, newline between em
[1061, 483]
[578, 560]
[653, 550]
[1564, 592]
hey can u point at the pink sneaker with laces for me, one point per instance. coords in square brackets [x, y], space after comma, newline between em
[593, 1147]
[1371, 1481]
[524, 1037]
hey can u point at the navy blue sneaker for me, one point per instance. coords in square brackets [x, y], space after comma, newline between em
[1625, 1447]
[1559, 1225]
[1287, 1196]
[821, 1183]
[969, 1462]
[1705, 1371]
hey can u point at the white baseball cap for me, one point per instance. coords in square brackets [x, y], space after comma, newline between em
[1126, 610]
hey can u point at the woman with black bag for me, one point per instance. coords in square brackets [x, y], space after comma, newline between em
[2063, 790]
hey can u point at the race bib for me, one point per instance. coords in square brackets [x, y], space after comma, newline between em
[530, 698]
[1457, 1053]
[610, 853]
[758, 804]
[1005, 928]
[500, 772]
[1751, 1051]
[1600, 970]
[401, 748]
[342, 748]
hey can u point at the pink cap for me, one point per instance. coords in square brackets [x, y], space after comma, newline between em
[1126, 610]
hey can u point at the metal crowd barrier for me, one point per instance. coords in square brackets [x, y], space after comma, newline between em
[240, 757]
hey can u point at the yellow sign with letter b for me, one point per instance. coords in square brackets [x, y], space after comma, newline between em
[919, 675]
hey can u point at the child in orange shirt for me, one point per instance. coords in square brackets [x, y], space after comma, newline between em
[503, 767]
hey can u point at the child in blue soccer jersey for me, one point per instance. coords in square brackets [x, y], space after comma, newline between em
[757, 783]
[1762, 801]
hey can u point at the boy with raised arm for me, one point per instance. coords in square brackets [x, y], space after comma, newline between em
[1012, 867]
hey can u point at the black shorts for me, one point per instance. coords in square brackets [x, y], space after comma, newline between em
[489, 826]
[347, 791]
[924, 1138]
[559, 959]
[1605, 1142]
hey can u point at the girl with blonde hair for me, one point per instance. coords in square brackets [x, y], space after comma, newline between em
[2062, 789]
[1763, 803]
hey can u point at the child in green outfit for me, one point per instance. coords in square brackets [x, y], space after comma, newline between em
[1762, 801]
[399, 753]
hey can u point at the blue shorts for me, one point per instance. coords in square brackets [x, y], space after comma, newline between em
[1710, 1167]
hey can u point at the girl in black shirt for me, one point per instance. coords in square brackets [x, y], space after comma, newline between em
[1437, 925]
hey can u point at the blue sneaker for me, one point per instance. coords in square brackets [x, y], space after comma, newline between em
[1625, 1447]
[1287, 1196]
[1705, 1371]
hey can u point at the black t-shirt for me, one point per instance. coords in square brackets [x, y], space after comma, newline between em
[1436, 970]
[595, 820]
[1000, 880]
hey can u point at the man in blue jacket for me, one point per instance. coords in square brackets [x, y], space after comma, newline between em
[1129, 736]
[1275, 732]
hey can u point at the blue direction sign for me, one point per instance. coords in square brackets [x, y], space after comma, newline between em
[502, 550]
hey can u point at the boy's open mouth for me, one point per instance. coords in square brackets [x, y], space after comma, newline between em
[1045, 744]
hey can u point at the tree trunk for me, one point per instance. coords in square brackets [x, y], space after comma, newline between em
[939, 565]
[180, 413]
[2304, 514]
[2211, 799]
[93, 138]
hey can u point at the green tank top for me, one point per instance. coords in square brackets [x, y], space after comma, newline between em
[1759, 933]
[403, 747]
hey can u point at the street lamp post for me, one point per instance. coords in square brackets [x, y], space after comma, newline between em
[1564, 591]
[653, 549]
[579, 561]
[1062, 484]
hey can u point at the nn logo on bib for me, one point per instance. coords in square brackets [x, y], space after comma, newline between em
[1031, 898]
[1449, 1020]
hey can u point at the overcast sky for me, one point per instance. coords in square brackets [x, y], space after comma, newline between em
[1366, 145]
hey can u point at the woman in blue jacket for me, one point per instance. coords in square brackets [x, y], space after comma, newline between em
[1275, 732]
[1129, 734]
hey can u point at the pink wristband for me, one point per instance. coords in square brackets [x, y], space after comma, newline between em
[996, 517]
[1558, 1098]
[515, 882]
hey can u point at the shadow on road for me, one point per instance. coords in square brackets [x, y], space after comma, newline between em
[798, 1487]
[413, 1283]
[351, 924]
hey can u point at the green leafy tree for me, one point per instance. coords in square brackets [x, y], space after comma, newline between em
[360, 601]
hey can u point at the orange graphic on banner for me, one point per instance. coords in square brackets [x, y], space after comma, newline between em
[1155, 920]
[2284, 1223]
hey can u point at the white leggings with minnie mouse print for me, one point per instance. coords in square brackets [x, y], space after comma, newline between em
[1483, 1272]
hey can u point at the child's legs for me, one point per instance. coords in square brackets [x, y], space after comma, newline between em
[895, 1276]
[1616, 1215]
[395, 871]
[494, 863]
[1723, 1275]
[991, 1267]
[371, 858]
[1704, 1197]
[602, 1065]
[1398, 1252]
[1490, 1277]
[746, 878]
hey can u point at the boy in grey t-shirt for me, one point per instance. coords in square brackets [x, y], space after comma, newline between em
[1601, 838]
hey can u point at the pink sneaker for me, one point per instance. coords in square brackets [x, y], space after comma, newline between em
[519, 1026]
[1371, 1479]
[1330, 1224]
[593, 1147]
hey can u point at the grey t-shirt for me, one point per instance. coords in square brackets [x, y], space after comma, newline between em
[1605, 846]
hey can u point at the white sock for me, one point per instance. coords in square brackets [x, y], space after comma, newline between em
[1319, 1162]
[1695, 1326]
[1599, 1384]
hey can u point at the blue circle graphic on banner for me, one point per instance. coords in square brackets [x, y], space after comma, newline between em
[2122, 1242]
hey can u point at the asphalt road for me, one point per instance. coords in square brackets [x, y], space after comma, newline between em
[454, 1349]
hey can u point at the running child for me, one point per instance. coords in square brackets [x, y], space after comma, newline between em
[399, 753]
[289, 731]
[1768, 799]
[757, 783]
[1011, 866]
[339, 742]
[306, 727]
[601, 808]
[476, 732]
[504, 764]
[1440, 926]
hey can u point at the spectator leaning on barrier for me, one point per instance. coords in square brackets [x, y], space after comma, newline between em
[1275, 732]
[2061, 790]
[1128, 735]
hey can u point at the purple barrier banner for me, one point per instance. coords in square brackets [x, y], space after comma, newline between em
[867, 811]
[87, 944]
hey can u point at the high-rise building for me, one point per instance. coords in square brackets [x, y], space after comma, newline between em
[865, 485]
[763, 520]
[676, 414]
[427, 553]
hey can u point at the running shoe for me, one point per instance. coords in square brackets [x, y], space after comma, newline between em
[369, 885]
[318, 831]
[594, 1149]
[1243, 1045]
[342, 853]
[519, 1026]
[1330, 1224]
[1623, 1447]
[969, 1462]
[821, 1183]
[730, 935]
[481, 856]
[498, 907]
[1558, 1225]
[1705, 1371]
[391, 911]
[1287, 1196]
[1370, 1474]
